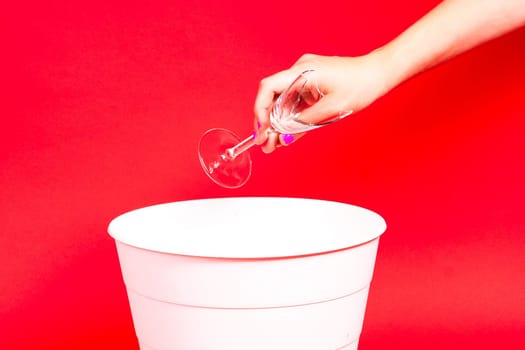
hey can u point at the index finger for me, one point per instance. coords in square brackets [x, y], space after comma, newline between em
[269, 88]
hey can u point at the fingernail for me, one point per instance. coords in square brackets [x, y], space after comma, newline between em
[288, 139]
[254, 135]
[259, 125]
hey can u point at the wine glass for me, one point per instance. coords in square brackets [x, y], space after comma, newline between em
[223, 155]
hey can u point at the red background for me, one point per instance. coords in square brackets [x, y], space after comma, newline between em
[102, 106]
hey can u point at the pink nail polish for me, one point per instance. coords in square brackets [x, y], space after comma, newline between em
[259, 125]
[288, 138]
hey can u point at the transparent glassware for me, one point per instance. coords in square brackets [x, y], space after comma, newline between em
[223, 155]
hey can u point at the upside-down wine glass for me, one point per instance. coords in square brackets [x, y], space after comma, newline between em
[224, 156]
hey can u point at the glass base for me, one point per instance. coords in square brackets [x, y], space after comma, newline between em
[222, 169]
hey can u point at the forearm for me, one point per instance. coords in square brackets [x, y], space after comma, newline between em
[453, 27]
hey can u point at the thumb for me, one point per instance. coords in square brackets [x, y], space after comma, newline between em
[325, 111]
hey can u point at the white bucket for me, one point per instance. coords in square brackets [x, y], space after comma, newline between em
[248, 273]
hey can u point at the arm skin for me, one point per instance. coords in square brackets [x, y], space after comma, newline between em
[353, 83]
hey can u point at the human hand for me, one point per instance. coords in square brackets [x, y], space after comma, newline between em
[347, 84]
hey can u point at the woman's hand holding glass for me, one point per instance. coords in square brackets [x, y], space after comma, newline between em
[314, 92]
[346, 85]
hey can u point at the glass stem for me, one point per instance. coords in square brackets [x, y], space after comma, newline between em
[232, 152]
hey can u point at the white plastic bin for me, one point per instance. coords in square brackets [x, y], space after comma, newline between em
[248, 273]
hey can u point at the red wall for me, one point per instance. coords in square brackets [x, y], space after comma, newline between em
[102, 106]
